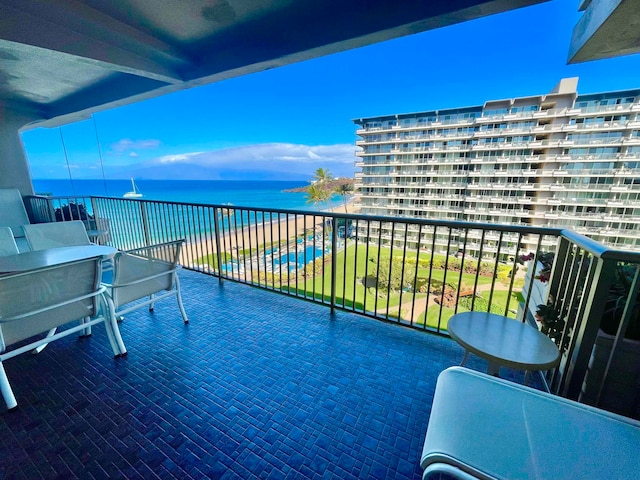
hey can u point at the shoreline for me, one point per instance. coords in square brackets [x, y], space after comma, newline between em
[264, 233]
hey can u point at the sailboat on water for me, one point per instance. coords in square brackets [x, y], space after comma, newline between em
[134, 193]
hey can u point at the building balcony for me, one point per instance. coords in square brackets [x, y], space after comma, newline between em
[256, 384]
[594, 110]
[265, 384]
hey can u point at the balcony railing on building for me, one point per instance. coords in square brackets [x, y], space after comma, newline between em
[413, 272]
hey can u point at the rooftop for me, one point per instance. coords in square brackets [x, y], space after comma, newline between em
[258, 385]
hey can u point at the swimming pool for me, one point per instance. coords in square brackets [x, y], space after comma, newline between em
[298, 259]
[232, 266]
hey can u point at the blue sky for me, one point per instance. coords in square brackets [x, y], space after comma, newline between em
[286, 122]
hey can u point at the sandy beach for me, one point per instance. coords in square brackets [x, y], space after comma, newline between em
[261, 234]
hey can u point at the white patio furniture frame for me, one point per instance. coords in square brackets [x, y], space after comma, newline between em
[145, 272]
[7, 243]
[38, 301]
[490, 428]
[14, 215]
[42, 236]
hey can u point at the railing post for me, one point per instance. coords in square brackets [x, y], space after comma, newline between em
[562, 250]
[585, 337]
[216, 230]
[145, 224]
[334, 262]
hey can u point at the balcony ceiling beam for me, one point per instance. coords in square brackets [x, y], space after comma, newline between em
[88, 36]
[607, 28]
[71, 58]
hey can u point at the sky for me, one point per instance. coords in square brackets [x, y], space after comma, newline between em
[284, 123]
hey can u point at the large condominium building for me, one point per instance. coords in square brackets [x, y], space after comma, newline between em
[557, 160]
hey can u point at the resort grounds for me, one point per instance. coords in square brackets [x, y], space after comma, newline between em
[294, 256]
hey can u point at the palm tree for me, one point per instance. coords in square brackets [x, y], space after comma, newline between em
[322, 175]
[317, 194]
[345, 190]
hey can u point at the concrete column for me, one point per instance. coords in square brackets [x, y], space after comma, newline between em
[14, 169]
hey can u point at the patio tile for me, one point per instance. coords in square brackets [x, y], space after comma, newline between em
[257, 385]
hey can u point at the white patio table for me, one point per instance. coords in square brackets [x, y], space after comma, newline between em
[503, 341]
[34, 260]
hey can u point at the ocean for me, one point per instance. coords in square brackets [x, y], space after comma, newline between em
[252, 193]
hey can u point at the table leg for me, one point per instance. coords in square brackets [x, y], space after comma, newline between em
[493, 369]
[466, 354]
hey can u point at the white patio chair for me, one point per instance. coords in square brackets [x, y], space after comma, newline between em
[14, 215]
[35, 302]
[7, 243]
[42, 236]
[145, 272]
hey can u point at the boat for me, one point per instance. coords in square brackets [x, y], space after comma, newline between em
[133, 193]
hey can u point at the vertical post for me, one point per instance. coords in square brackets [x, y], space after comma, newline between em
[334, 262]
[585, 336]
[145, 224]
[96, 224]
[559, 261]
[217, 233]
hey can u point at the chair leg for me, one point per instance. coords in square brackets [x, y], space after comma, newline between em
[111, 326]
[37, 350]
[179, 296]
[151, 305]
[5, 388]
[87, 331]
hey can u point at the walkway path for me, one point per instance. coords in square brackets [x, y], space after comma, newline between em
[419, 306]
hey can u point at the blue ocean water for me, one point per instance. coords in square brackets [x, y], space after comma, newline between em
[265, 194]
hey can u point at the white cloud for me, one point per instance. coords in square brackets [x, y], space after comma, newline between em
[181, 158]
[133, 154]
[292, 159]
[126, 145]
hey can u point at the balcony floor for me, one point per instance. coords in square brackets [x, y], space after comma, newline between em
[258, 385]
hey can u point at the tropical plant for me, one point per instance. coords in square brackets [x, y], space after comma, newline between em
[316, 194]
[322, 176]
[72, 211]
[551, 323]
[344, 190]
[616, 304]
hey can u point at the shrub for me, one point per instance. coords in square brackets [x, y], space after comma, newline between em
[486, 269]
[480, 305]
[438, 263]
[424, 262]
[394, 276]
[504, 272]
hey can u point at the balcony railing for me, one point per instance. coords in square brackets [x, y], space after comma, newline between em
[594, 290]
[414, 272]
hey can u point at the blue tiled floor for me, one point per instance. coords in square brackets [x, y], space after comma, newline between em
[258, 385]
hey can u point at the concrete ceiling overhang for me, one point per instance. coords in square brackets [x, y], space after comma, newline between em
[607, 28]
[61, 60]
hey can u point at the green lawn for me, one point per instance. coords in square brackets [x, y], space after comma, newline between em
[357, 262]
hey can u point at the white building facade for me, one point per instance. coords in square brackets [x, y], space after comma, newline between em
[555, 160]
